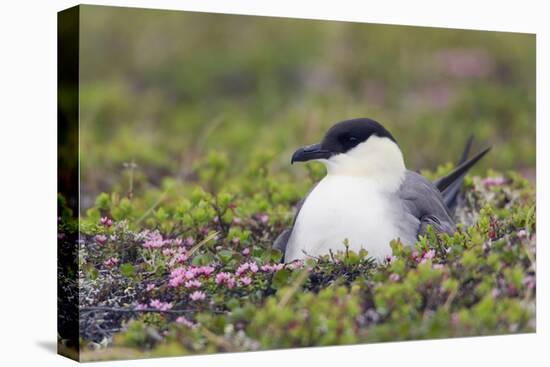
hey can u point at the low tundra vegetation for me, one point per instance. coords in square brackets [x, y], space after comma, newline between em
[191, 270]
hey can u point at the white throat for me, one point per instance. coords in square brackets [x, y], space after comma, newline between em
[378, 159]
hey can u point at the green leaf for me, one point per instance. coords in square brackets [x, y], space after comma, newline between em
[127, 269]
[280, 279]
[225, 255]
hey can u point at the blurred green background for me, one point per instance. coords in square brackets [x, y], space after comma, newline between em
[162, 89]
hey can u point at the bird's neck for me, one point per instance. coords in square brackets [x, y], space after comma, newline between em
[378, 159]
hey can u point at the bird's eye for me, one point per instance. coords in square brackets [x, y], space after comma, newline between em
[353, 139]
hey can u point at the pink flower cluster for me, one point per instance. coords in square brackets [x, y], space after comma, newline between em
[394, 277]
[197, 296]
[181, 257]
[100, 239]
[155, 240]
[106, 221]
[182, 320]
[272, 268]
[522, 233]
[428, 255]
[178, 256]
[247, 267]
[150, 287]
[188, 242]
[159, 305]
[493, 181]
[226, 279]
[193, 283]
[141, 306]
[246, 280]
[169, 252]
[295, 264]
[179, 275]
[111, 262]
[264, 218]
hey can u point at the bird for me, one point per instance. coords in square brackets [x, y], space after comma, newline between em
[368, 197]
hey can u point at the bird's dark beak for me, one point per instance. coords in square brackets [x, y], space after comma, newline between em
[309, 153]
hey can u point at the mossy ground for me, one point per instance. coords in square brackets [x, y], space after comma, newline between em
[204, 279]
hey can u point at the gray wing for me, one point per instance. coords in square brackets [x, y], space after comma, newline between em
[424, 205]
[282, 240]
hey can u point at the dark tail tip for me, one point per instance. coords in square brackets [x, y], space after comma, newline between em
[450, 184]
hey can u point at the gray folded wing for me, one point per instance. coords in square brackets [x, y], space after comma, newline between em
[423, 205]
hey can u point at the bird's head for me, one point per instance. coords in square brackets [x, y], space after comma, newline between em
[358, 147]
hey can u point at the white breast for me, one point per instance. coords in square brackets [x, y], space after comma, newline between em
[340, 208]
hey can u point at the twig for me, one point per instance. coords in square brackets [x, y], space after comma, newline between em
[152, 207]
[200, 244]
[132, 310]
[297, 284]
[218, 340]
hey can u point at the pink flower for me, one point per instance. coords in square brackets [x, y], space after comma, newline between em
[111, 262]
[168, 252]
[150, 287]
[530, 281]
[225, 278]
[429, 255]
[243, 268]
[177, 277]
[107, 222]
[493, 181]
[183, 321]
[222, 277]
[181, 258]
[522, 233]
[394, 277]
[190, 274]
[177, 242]
[246, 280]
[296, 264]
[197, 296]
[100, 239]
[141, 306]
[155, 240]
[189, 241]
[205, 270]
[175, 282]
[161, 306]
[264, 218]
[230, 283]
[246, 251]
[248, 266]
[237, 220]
[272, 268]
[192, 284]
[388, 259]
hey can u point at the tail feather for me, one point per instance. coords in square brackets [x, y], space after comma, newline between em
[450, 184]
[450, 194]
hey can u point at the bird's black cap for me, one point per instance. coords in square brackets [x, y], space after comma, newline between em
[342, 137]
